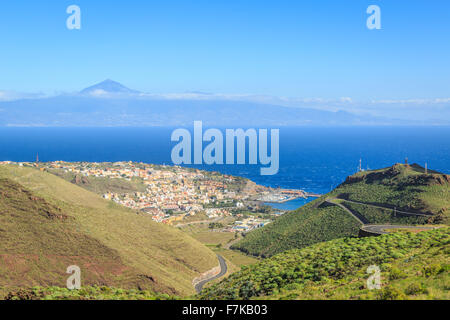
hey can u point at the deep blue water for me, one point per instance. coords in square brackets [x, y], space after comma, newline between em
[314, 159]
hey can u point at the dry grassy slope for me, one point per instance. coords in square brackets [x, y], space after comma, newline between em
[114, 245]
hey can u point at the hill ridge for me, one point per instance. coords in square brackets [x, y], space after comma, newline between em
[396, 189]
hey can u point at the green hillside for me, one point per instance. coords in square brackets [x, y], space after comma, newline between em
[377, 197]
[413, 266]
[299, 229]
[48, 224]
[403, 187]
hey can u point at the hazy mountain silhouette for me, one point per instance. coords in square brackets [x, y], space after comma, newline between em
[109, 104]
[107, 86]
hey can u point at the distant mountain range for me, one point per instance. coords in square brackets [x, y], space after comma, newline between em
[110, 104]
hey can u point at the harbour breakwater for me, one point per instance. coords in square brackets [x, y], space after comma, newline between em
[286, 195]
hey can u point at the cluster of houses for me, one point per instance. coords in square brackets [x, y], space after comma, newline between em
[171, 193]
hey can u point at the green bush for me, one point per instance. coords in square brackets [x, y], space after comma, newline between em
[391, 293]
[431, 270]
[415, 289]
[333, 263]
[396, 273]
[85, 293]
[247, 291]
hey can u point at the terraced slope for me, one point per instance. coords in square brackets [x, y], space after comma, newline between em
[412, 265]
[401, 194]
[48, 224]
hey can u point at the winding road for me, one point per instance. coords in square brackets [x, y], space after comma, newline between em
[375, 229]
[381, 228]
[223, 271]
[358, 217]
[386, 208]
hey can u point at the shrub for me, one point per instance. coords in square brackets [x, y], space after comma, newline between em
[391, 293]
[396, 273]
[415, 288]
[247, 291]
[431, 270]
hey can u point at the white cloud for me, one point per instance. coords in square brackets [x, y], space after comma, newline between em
[12, 95]
[98, 93]
[413, 101]
[346, 100]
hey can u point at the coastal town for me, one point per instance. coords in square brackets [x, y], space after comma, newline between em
[173, 194]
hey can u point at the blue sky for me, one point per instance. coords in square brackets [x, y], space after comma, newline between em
[309, 49]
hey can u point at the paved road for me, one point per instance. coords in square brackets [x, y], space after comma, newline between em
[386, 208]
[375, 228]
[223, 271]
[358, 217]
[381, 228]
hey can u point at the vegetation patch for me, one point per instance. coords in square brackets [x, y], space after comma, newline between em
[306, 226]
[413, 266]
[85, 293]
[376, 195]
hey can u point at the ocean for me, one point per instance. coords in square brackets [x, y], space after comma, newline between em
[311, 158]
